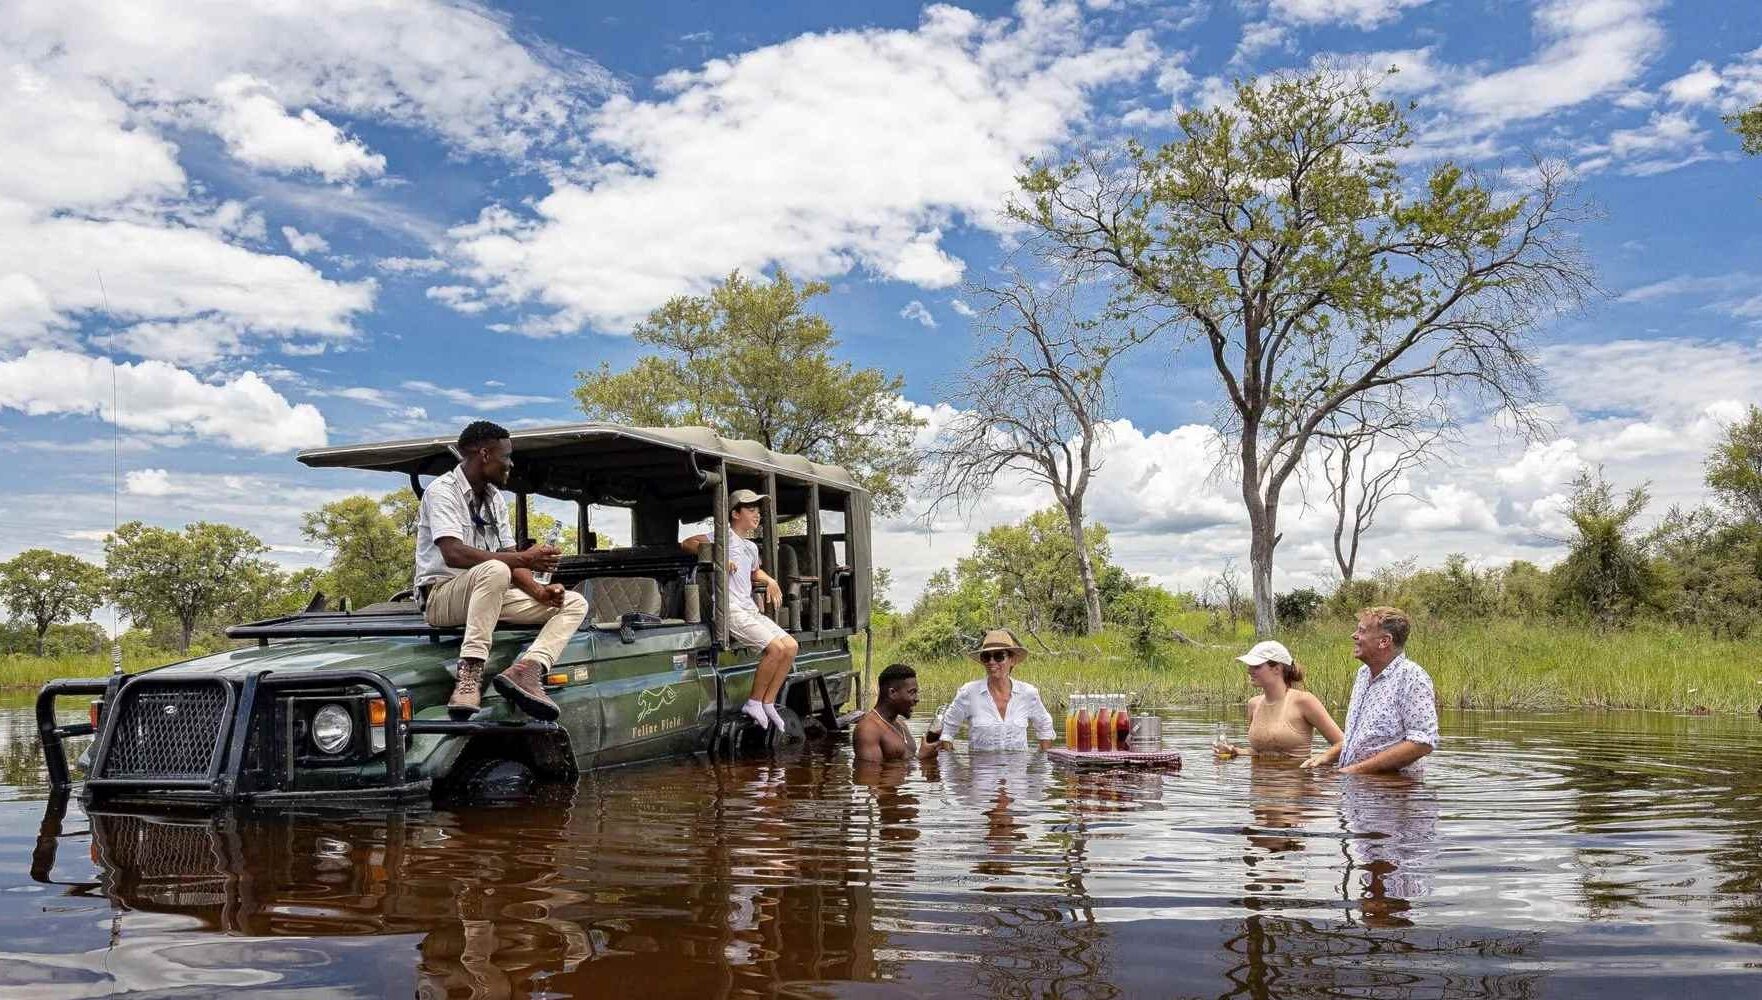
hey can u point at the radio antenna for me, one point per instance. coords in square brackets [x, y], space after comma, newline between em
[115, 488]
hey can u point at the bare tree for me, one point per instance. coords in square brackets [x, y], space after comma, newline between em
[1279, 232]
[1356, 444]
[1035, 401]
[1225, 591]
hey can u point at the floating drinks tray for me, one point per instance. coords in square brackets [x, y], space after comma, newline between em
[1115, 758]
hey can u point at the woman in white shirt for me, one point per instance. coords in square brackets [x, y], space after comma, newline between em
[998, 709]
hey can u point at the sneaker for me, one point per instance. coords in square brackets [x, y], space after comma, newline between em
[521, 685]
[467, 696]
[756, 712]
[776, 720]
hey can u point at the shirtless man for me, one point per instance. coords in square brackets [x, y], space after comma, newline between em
[881, 734]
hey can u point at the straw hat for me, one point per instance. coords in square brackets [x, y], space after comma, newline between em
[1000, 638]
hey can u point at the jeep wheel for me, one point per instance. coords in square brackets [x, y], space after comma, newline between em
[495, 780]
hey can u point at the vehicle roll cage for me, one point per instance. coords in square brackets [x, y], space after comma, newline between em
[668, 476]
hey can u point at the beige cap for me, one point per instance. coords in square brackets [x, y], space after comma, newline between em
[1267, 652]
[746, 498]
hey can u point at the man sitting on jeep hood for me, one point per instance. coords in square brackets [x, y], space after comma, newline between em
[469, 573]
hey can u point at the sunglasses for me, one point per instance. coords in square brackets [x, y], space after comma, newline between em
[994, 656]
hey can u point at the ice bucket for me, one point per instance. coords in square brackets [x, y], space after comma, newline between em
[1146, 732]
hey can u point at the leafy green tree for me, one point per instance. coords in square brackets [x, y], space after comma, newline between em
[1034, 567]
[1149, 614]
[1748, 124]
[372, 548]
[1606, 573]
[46, 588]
[183, 578]
[749, 361]
[1734, 470]
[1279, 231]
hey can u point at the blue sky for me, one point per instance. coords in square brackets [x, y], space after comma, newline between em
[335, 224]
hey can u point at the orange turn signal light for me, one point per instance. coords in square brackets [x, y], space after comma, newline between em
[376, 710]
[556, 680]
[94, 712]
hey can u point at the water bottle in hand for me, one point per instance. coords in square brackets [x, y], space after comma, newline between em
[552, 538]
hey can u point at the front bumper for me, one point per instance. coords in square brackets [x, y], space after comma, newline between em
[218, 740]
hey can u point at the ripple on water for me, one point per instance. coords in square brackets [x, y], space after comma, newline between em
[1558, 854]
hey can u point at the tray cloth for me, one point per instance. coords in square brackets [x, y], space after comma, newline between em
[1116, 758]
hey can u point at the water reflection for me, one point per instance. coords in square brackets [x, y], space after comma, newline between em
[1537, 857]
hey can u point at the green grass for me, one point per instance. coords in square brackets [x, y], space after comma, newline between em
[1485, 665]
[19, 672]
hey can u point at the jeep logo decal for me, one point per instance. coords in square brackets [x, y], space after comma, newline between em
[651, 701]
[169, 709]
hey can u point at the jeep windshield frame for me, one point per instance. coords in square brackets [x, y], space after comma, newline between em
[667, 477]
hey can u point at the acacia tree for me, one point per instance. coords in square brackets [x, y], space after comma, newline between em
[1734, 469]
[371, 545]
[1279, 232]
[185, 576]
[1035, 401]
[46, 588]
[748, 361]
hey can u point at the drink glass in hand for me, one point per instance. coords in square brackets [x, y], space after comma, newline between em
[552, 537]
[937, 719]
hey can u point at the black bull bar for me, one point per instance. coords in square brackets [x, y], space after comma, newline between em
[226, 762]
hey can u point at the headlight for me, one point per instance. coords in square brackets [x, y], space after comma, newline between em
[331, 728]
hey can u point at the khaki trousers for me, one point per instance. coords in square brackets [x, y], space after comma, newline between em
[481, 596]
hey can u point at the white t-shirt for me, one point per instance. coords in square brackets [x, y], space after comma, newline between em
[451, 510]
[745, 556]
[986, 730]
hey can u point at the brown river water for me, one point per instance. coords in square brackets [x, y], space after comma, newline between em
[1571, 855]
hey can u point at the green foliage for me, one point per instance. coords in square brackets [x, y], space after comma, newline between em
[1734, 469]
[1606, 574]
[67, 639]
[1148, 615]
[180, 580]
[1748, 124]
[47, 588]
[372, 545]
[1033, 566]
[749, 362]
[1298, 606]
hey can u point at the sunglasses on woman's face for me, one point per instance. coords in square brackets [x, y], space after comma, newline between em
[995, 656]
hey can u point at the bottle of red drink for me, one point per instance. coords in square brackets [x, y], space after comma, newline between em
[1122, 729]
[1085, 731]
[1104, 729]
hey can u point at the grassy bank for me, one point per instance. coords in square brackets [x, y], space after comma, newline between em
[1488, 665]
[27, 673]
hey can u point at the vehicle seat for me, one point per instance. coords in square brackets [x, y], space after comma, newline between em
[616, 596]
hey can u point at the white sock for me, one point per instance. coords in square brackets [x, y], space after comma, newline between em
[756, 709]
[776, 720]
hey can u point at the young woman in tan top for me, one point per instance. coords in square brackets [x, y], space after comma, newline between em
[1283, 718]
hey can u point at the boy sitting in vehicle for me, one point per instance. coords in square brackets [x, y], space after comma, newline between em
[746, 623]
[468, 573]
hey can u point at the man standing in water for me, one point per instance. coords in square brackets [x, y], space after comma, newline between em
[881, 734]
[469, 573]
[1392, 720]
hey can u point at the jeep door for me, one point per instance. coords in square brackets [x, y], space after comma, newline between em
[656, 693]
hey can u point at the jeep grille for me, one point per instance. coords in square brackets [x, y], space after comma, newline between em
[166, 731]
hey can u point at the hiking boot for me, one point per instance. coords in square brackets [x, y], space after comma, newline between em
[521, 685]
[467, 696]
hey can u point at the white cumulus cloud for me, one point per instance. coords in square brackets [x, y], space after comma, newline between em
[820, 154]
[260, 132]
[916, 312]
[304, 243]
[158, 398]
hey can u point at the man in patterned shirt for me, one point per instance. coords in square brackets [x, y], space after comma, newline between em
[1392, 720]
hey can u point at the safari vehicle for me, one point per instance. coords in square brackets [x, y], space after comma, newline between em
[350, 704]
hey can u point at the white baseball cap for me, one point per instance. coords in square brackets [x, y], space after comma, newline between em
[1267, 652]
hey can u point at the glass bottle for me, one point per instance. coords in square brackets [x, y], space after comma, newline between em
[1085, 730]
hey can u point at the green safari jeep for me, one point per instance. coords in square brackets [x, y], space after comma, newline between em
[349, 704]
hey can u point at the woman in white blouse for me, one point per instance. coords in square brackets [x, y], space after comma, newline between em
[998, 709]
